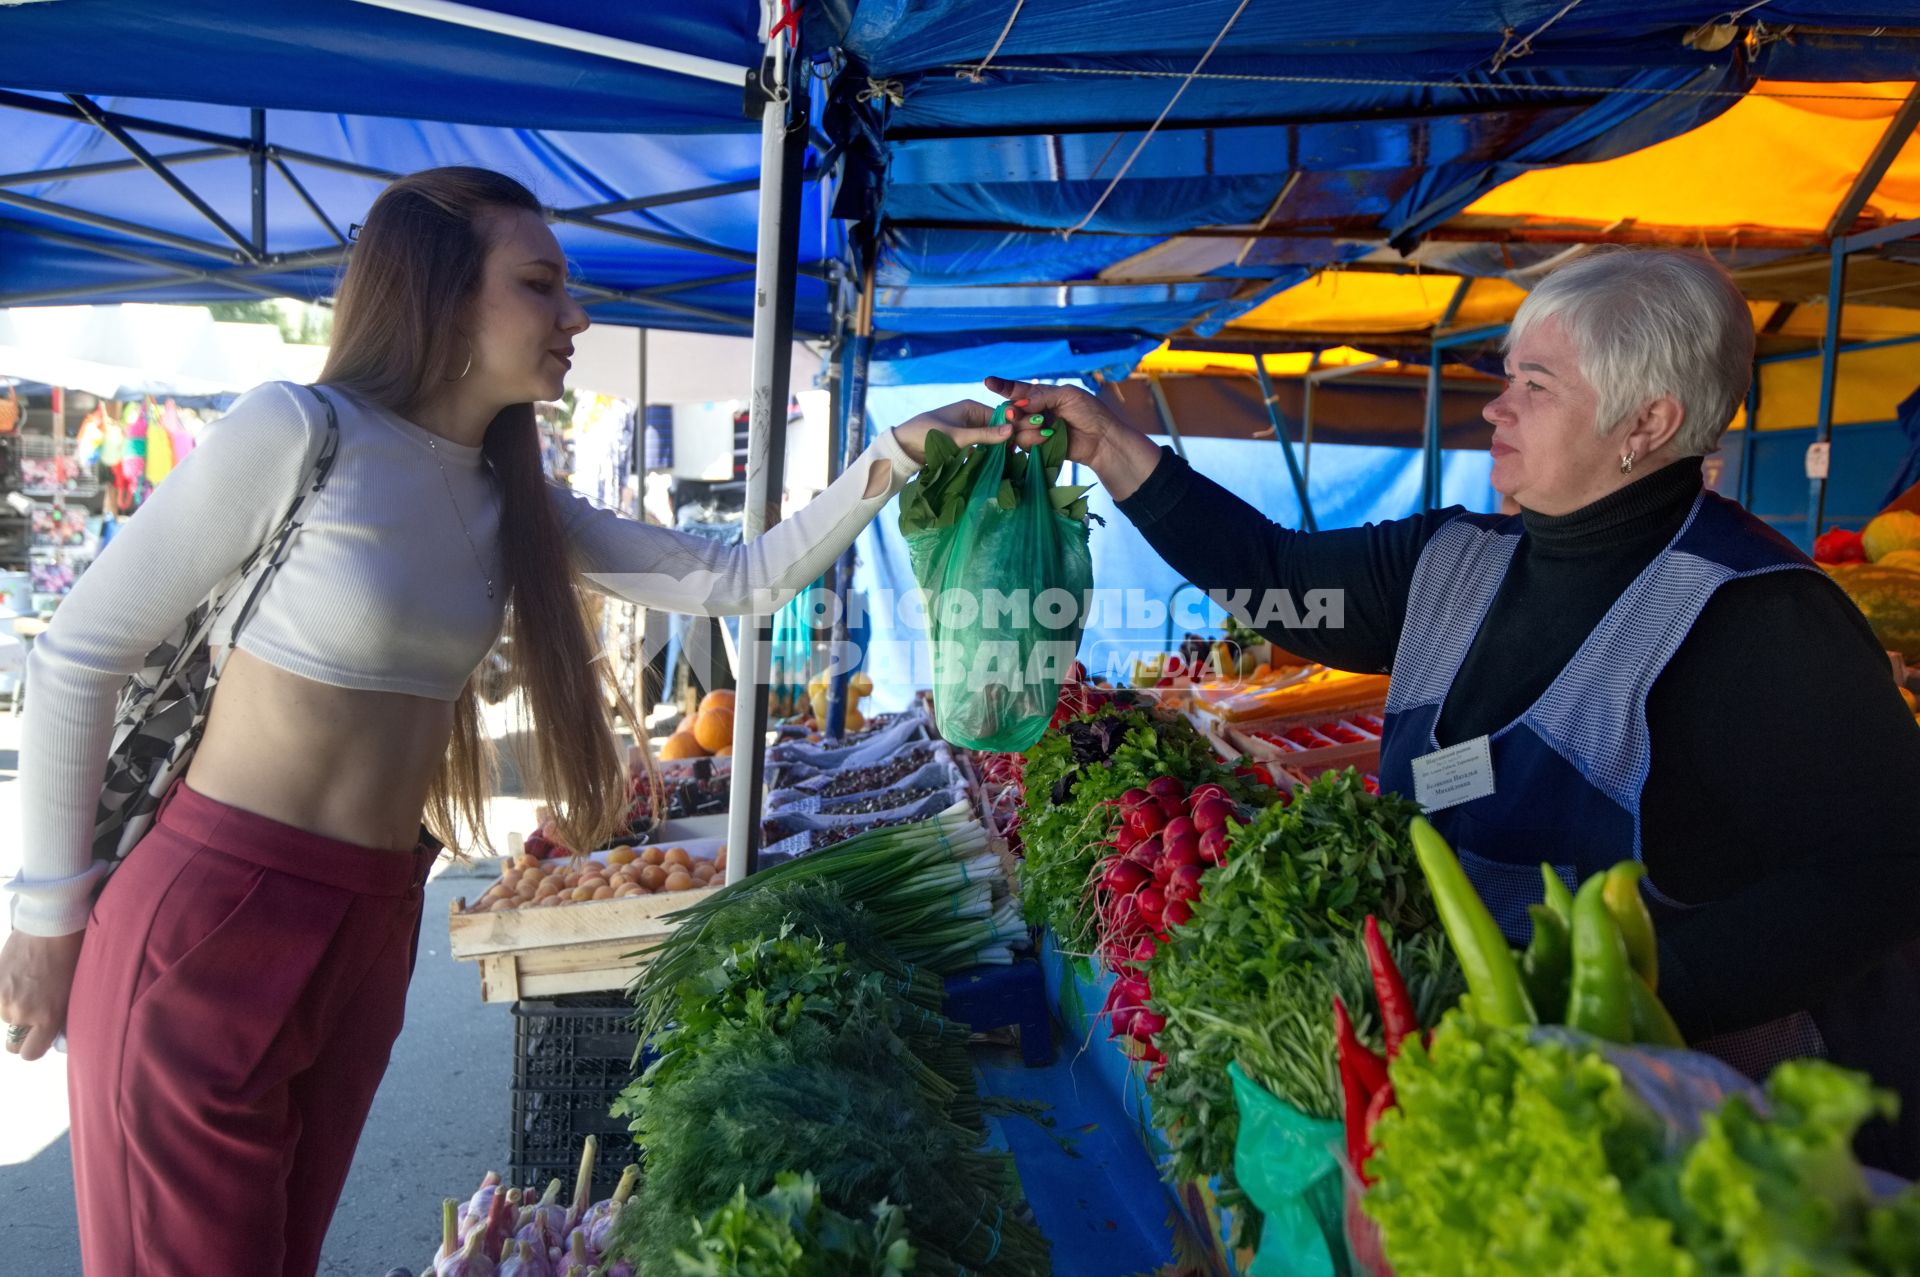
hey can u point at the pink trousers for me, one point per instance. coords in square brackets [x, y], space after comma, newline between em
[238, 994]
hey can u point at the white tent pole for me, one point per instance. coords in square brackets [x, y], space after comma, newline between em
[466, 15]
[783, 133]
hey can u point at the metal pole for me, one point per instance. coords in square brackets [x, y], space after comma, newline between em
[1286, 442]
[528, 29]
[1430, 465]
[1829, 371]
[257, 163]
[783, 140]
[1166, 414]
[857, 352]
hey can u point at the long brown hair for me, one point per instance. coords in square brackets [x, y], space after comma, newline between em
[415, 268]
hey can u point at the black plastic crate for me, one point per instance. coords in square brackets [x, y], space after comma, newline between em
[571, 1057]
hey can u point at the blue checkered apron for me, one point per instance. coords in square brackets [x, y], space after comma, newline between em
[1568, 772]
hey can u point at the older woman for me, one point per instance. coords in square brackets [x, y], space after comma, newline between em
[1630, 667]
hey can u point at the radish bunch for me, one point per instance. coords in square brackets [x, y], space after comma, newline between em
[1078, 697]
[1167, 839]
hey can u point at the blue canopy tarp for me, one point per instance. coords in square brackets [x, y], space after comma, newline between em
[988, 140]
[583, 129]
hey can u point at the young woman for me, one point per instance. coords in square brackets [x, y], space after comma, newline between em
[231, 998]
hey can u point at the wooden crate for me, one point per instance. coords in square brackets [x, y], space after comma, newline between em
[584, 947]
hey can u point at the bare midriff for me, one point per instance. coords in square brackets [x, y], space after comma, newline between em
[339, 762]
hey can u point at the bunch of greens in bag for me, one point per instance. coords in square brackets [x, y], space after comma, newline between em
[1000, 549]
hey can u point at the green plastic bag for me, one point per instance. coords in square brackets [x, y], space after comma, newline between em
[1006, 576]
[1288, 1165]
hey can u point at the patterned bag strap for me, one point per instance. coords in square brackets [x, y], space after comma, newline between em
[275, 547]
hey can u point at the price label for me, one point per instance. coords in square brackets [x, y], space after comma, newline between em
[1819, 457]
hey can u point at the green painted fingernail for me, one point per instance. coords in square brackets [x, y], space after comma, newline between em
[1047, 433]
[1036, 419]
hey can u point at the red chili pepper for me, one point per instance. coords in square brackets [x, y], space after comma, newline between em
[1382, 1101]
[1353, 1094]
[1398, 1019]
[1366, 1064]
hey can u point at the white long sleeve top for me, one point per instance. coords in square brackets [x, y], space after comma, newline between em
[384, 588]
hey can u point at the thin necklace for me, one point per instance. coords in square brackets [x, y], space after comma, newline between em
[456, 514]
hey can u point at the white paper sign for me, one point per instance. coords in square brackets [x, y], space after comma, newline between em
[1819, 457]
[1454, 775]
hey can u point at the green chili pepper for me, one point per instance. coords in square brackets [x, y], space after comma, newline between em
[1651, 1023]
[1629, 909]
[1600, 996]
[1559, 899]
[1547, 963]
[1493, 977]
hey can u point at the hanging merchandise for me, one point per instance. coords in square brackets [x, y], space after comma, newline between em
[792, 654]
[178, 432]
[91, 439]
[160, 455]
[1001, 554]
[130, 477]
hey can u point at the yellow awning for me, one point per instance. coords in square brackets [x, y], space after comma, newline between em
[1194, 362]
[1368, 302]
[1778, 162]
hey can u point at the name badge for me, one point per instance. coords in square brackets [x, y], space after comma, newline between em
[1454, 775]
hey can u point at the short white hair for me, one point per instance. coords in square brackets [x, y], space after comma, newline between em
[1648, 322]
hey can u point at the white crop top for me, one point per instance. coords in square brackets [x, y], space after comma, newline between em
[379, 591]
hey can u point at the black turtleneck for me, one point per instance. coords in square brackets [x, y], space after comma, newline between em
[1783, 761]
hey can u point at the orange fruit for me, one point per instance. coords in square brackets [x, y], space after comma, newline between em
[722, 699]
[713, 729]
[685, 744]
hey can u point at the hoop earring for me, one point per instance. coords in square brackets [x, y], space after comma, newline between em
[468, 368]
[1626, 462]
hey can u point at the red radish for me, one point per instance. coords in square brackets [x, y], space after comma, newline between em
[1152, 1055]
[1203, 792]
[1166, 787]
[1122, 1022]
[1163, 870]
[1122, 876]
[1125, 836]
[1177, 828]
[1123, 917]
[1144, 948]
[1135, 798]
[1185, 883]
[1213, 845]
[1185, 851]
[1146, 820]
[1212, 814]
[1147, 1024]
[1131, 991]
[1178, 911]
[1153, 907]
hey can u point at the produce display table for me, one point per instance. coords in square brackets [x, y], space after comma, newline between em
[1078, 992]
